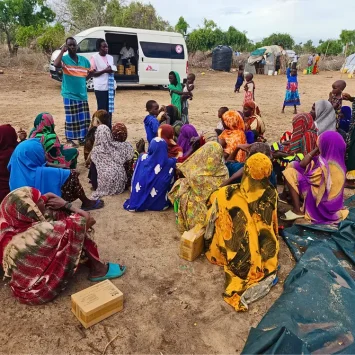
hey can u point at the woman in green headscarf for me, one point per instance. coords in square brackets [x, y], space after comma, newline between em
[175, 88]
[56, 153]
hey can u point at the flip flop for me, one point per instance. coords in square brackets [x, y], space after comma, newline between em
[114, 271]
[290, 216]
[95, 207]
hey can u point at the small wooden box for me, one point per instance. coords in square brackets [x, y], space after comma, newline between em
[96, 303]
[191, 243]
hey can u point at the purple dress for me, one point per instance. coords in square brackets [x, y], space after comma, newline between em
[322, 182]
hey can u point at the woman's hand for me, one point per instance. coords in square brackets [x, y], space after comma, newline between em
[90, 222]
[55, 202]
[140, 146]
[348, 97]
[22, 135]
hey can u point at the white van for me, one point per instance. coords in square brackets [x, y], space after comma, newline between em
[157, 53]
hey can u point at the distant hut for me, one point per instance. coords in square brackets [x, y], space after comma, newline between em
[267, 60]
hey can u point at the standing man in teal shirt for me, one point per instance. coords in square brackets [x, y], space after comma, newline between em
[76, 69]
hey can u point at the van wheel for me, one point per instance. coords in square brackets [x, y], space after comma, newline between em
[163, 87]
[90, 85]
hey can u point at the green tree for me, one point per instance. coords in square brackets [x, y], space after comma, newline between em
[298, 48]
[182, 26]
[281, 39]
[331, 47]
[347, 37]
[22, 13]
[51, 38]
[308, 47]
[139, 15]
[236, 39]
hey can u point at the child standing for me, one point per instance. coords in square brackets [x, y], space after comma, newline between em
[240, 79]
[292, 97]
[151, 123]
[336, 96]
[189, 86]
[249, 88]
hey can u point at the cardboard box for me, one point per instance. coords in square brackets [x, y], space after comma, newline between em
[96, 303]
[191, 243]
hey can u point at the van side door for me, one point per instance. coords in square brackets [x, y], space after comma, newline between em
[154, 59]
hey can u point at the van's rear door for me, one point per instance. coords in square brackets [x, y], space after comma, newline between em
[154, 59]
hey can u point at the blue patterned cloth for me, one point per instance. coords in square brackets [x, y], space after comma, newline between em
[77, 119]
[111, 93]
[152, 179]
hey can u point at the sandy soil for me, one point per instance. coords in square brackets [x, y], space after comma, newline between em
[171, 305]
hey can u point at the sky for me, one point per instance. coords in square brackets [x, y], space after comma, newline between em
[303, 19]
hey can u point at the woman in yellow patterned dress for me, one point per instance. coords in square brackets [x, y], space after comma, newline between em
[203, 173]
[242, 233]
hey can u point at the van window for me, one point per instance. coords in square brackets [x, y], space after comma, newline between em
[87, 45]
[163, 50]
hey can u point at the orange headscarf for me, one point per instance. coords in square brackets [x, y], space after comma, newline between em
[234, 133]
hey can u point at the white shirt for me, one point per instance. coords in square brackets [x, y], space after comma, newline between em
[127, 53]
[100, 63]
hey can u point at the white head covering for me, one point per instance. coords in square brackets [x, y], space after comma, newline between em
[325, 116]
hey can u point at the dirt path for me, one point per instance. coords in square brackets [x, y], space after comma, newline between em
[171, 306]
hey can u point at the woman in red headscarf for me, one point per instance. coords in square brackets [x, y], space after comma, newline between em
[8, 143]
[166, 132]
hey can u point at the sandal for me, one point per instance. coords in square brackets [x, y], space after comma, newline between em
[71, 144]
[290, 216]
[98, 204]
[114, 271]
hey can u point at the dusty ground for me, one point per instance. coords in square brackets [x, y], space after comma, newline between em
[171, 305]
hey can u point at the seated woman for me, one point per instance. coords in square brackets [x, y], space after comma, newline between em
[345, 119]
[236, 169]
[120, 134]
[28, 167]
[42, 240]
[324, 116]
[98, 118]
[242, 232]
[166, 132]
[56, 154]
[170, 115]
[203, 173]
[109, 158]
[320, 181]
[253, 121]
[8, 143]
[233, 134]
[152, 179]
[350, 146]
[188, 132]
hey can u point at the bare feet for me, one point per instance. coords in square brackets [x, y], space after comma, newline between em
[295, 112]
[282, 111]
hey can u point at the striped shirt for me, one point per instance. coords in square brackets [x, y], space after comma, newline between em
[74, 78]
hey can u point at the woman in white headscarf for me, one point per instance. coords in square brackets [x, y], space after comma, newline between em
[325, 116]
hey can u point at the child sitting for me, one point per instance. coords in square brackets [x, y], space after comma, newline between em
[221, 112]
[151, 123]
[240, 79]
[292, 97]
[249, 88]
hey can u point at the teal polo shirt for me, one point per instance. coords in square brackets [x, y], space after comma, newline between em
[74, 78]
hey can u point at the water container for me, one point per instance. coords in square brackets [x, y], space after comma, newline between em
[270, 72]
[222, 58]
